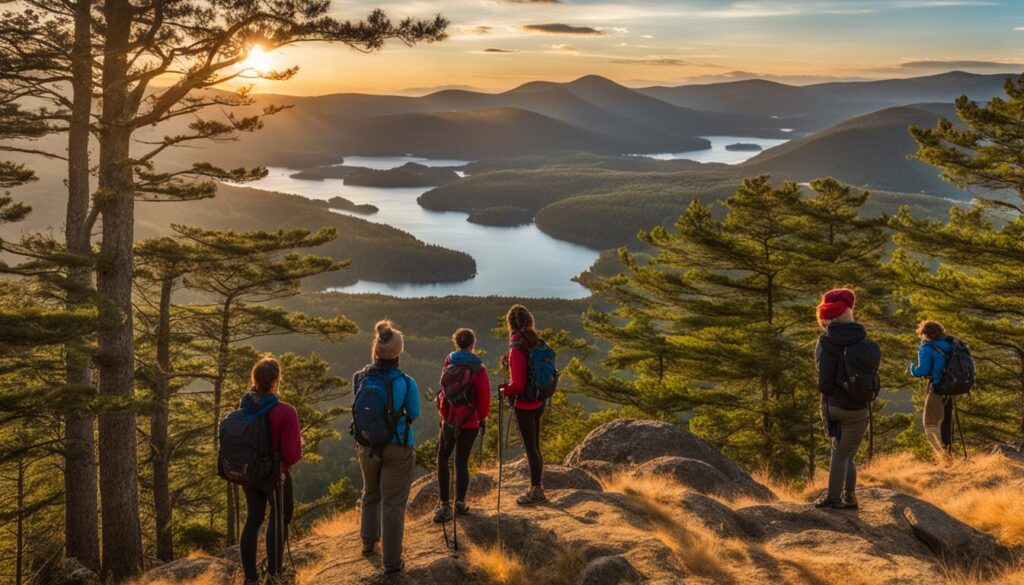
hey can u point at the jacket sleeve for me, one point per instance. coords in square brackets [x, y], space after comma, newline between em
[517, 365]
[924, 362]
[825, 362]
[482, 385]
[437, 399]
[412, 398]
[291, 438]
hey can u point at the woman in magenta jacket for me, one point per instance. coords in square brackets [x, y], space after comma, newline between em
[522, 338]
[460, 425]
[286, 440]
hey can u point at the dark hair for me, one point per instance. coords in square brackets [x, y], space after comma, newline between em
[931, 329]
[520, 322]
[265, 373]
[464, 338]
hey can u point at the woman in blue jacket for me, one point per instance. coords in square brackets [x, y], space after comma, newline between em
[938, 409]
[388, 472]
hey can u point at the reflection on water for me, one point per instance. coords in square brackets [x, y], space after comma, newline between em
[718, 153]
[517, 262]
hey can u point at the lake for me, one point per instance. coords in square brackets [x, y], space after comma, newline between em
[521, 262]
[718, 153]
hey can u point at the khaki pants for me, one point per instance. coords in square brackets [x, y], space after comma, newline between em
[937, 429]
[387, 478]
[842, 471]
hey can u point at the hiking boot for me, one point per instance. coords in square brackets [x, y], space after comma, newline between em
[533, 497]
[461, 508]
[443, 513]
[395, 570]
[369, 547]
[825, 502]
[850, 501]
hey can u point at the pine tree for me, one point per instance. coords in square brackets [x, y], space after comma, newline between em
[968, 273]
[718, 323]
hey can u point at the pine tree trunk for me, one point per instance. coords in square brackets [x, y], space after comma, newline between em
[81, 514]
[218, 391]
[119, 490]
[158, 429]
[19, 560]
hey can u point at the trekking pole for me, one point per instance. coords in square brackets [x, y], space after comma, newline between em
[960, 429]
[501, 417]
[871, 431]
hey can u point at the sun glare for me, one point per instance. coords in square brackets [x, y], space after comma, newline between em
[258, 60]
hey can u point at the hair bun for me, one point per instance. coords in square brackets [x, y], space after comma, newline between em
[384, 332]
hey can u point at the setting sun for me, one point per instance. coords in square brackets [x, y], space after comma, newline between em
[258, 60]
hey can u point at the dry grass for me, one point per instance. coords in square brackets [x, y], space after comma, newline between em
[498, 566]
[1012, 574]
[699, 549]
[197, 553]
[336, 525]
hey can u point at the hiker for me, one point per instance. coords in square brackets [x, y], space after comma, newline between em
[464, 403]
[938, 409]
[385, 405]
[847, 363]
[521, 389]
[286, 443]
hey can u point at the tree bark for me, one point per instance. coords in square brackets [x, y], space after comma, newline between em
[160, 444]
[218, 390]
[119, 490]
[19, 561]
[81, 515]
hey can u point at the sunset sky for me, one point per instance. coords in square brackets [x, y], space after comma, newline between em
[498, 44]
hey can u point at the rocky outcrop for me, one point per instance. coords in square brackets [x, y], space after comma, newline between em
[655, 447]
[685, 527]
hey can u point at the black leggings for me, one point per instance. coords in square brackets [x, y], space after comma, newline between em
[529, 429]
[256, 509]
[462, 444]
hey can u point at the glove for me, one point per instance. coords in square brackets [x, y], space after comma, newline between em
[483, 426]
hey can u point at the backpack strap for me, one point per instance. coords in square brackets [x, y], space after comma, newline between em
[403, 412]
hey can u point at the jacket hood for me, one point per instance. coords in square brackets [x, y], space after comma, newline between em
[464, 357]
[845, 333]
[943, 343]
[256, 404]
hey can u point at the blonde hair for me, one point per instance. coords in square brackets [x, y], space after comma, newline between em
[388, 343]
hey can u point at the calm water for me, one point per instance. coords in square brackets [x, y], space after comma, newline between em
[518, 262]
[718, 153]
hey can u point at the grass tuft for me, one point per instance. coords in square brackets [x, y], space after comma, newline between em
[498, 566]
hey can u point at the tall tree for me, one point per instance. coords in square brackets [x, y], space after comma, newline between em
[719, 322]
[969, 272]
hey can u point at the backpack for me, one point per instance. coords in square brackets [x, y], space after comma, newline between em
[457, 391]
[859, 380]
[374, 420]
[541, 373]
[245, 454]
[958, 375]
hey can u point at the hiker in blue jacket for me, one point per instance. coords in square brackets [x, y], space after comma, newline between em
[938, 409]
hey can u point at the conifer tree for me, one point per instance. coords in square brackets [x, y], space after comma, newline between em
[977, 287]
[719, 322]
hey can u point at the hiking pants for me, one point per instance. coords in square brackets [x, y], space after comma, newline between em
[255, 510]
[842, 471]
[938, 423]
[528, 422]
[461, 443]
[387, 477]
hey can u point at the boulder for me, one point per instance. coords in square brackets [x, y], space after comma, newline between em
[210, 569]
[556, 477]
[599, 469]
[610, 570]
[634, 442]
[73, 572]
[424, 494]
[718, 517]
[702, 477]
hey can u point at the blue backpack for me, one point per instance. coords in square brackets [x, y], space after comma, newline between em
[374, 419]
[541, 373]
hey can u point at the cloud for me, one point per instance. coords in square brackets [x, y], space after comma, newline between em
[939, 64]
[1019, 28]
[531, 1]
[492, 50]
[563, 47]
[658, 61]
[561, 29]
[482, 30]
[646, 36]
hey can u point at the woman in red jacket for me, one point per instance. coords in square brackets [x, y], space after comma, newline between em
[522, 338]
[286, 441]
[464, 376]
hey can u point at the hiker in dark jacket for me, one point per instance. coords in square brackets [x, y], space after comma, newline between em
[460, 425]
[523, 337]
[938, 409]
[286, 441]
[388, 472]
[844, 419]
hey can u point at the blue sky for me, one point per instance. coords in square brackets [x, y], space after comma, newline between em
[497, 44]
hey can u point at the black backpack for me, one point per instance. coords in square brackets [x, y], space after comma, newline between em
[858, 371]
[958, 375]
[245, 454]
[457, 390]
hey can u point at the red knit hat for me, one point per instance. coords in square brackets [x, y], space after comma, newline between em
[835, 302]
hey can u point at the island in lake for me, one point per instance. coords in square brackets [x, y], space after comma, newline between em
[501, 216]
[408, 175]
[342, 204]
[744, 146]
